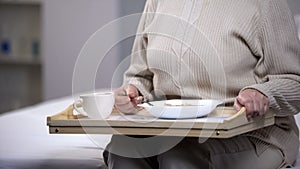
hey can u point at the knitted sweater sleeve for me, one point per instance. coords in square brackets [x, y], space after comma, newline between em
[138, 73]
[278, 70]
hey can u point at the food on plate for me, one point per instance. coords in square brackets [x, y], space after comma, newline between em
[179, 103]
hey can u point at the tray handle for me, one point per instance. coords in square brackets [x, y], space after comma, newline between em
[67, 113]
[241, 113]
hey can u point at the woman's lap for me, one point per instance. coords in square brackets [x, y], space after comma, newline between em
[234, 153]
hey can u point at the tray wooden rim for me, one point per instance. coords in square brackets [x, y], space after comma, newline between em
[68, 123]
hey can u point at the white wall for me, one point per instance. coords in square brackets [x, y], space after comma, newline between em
[295, 8]
[67, 25]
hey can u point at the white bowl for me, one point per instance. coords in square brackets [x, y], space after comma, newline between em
[180, 109]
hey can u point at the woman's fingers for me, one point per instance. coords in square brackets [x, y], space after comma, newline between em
[256, 103]
[124, 104]
[136, 100]
[265, 105]
[121, 97]
[127, 98]
[131, 91]
[120, 100]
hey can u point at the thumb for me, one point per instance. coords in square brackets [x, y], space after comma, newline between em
[132, 91]
[237, 106]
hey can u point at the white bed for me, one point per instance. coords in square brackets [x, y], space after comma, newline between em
[26, 144]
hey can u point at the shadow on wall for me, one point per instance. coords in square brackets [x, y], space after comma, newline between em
[295, 8]
[297, 20]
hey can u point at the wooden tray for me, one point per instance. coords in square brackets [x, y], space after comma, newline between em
[223, 122]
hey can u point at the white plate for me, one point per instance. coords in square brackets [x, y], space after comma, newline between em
[180, 109]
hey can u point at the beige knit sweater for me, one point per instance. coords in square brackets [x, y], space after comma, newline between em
[214, 49]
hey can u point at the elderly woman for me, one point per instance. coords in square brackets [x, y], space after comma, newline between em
[245, 52]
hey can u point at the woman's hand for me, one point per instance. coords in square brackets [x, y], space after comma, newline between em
[256, 103]
[127, 98]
